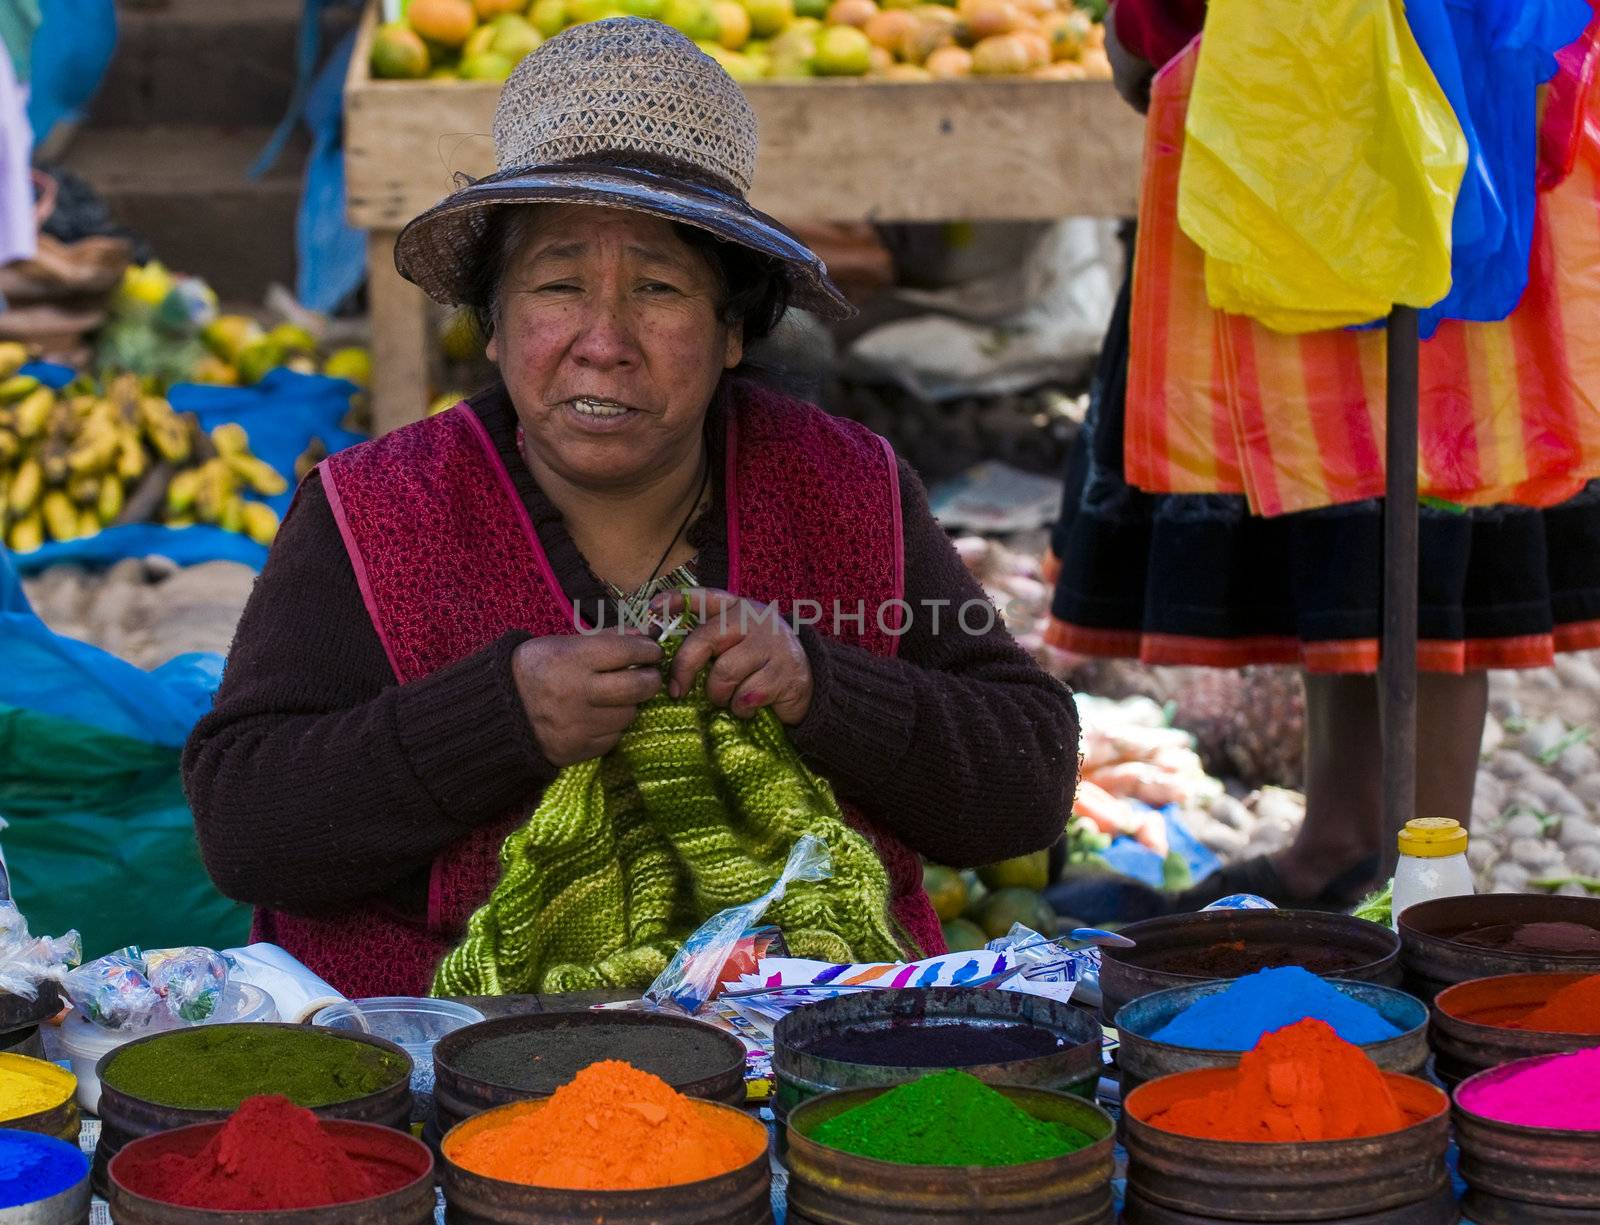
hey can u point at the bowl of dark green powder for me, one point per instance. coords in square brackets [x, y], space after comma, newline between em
[934, 1147]
[201, 1074]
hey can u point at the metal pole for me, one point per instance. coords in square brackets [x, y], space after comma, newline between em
[1398, 661]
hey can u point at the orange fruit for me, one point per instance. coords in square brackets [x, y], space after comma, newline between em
[926, 35]
[1061, 70]
[1038, 45]
[851, 12]
[1096, 65]
[882, 59]
[1067, 33]
[398, 53]
[887, 28]
[949, 62]
[987, 18]
[488, 10]
[446, 22]
[843, 51]
[733, 22]
[906, 73]
[1002, 55]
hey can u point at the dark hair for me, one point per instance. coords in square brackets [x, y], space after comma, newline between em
[755, 290]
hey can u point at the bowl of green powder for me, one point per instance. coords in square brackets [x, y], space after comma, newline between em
[934, 1147]
[202, 1074]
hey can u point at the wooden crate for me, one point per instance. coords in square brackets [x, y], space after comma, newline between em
[831, 150]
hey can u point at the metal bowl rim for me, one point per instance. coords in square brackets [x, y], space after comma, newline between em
[1457, 1019]
[268, 1215]
[210, 1113]
[1421, 1025]
[783, 1050]
[1532, 1132]
[791, 1134]
[553, 1020]
[1408, 931]
[1318, 915]
[1322, 1145]
[763, 1157]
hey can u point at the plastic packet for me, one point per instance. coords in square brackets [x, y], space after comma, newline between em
[26, 961]
[133, 988]
[190, 980]
[696, 973]
[114, 992]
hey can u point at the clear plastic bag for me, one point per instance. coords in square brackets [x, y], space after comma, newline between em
[26, 961]
[696, 971]
[131, 988]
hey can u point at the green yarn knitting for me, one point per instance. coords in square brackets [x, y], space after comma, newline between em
[692, 812]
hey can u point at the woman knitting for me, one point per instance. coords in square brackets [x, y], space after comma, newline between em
[459, 623]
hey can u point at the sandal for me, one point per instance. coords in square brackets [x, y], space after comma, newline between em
[1257, 875]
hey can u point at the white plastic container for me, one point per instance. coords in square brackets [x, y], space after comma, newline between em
[1433, 864]
[85, 1042]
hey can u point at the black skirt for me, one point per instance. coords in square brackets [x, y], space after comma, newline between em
[1197, 579]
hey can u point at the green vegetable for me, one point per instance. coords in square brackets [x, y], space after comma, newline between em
[1378, 907]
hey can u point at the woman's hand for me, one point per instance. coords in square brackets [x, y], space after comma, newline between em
[759, 659]
[581, 692]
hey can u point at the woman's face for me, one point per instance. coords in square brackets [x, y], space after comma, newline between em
[611, 342]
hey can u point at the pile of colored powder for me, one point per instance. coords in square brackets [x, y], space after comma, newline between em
[1575, 1009]
[270, 1155]
[948, 1118]
[28, 1086]
[215, 1067]
[1561, 1092]
[1237, 1019]
[35, 1167]
[610, 1128]
[1301, 1083]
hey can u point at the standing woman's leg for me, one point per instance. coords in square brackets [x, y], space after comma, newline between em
[1344, 778]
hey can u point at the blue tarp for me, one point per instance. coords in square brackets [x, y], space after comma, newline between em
[282, 414]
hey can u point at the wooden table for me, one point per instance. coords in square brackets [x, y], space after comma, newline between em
[831, 150]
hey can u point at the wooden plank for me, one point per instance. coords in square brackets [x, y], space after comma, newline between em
[400, 341]
[845, 150]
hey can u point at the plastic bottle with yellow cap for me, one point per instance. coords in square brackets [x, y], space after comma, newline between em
[1433, 863]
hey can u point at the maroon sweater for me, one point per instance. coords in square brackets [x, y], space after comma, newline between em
[317, 780]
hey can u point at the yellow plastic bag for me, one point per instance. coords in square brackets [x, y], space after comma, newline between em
[1321, 165]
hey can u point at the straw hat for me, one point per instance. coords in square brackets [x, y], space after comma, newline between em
[624, 113]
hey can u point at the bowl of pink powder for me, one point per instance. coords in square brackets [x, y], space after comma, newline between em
[1529, 1134]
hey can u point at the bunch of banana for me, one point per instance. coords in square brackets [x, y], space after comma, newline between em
[214, 490]
[76, 461]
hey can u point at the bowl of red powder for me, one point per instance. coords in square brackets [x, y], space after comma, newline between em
[274, 1160]
[1488, 1022]
[615, 1144]
[1306, 1124]
[1530, 1139]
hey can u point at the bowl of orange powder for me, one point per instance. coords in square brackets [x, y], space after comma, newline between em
[614, 1143]
[1307, 1127]
[1493, 1021]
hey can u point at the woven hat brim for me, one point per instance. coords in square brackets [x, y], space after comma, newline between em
[438, 250]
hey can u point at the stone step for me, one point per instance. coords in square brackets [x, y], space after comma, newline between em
[228, 62]
[184, 188]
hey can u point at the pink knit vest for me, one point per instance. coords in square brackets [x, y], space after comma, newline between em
[447, 561]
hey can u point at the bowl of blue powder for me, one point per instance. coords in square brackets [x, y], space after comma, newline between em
[1210, 1025]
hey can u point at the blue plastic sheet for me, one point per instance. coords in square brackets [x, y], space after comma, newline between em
[1132, 858]
[99, 833]
[331, 256]
[282, 414]
[67, 679]
[1490, 56]
[70, 55]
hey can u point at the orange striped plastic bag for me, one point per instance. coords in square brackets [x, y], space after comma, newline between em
[1509, 411]
[1179, 434]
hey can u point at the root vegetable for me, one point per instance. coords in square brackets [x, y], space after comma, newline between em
[1481, 854]
[1576, 832]
[1228, 811]
[1535, 853]
[1587, 790]
[1494, 735]
[1523, 825]
[1542, 737]
[1511, 765]
[1509, 878]
[1576, 762]
[1585, 859]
